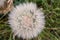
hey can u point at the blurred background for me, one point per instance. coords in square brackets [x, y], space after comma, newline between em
[51, 10]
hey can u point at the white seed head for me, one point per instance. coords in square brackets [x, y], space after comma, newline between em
[26, 20]
[2, 2]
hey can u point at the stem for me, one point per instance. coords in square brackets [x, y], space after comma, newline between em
[53, 28]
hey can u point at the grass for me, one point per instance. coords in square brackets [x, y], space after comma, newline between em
[51, 9]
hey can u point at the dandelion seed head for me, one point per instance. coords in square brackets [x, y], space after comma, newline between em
[26, 20]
